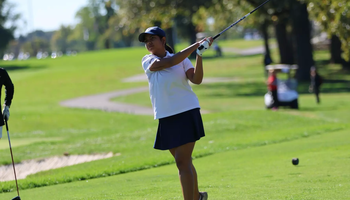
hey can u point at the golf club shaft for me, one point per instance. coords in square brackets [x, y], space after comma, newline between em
[13, 163]
[216, 36]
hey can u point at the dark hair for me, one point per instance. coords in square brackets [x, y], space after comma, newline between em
[168, 48]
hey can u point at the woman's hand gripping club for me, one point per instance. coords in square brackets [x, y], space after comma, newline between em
[204, 45]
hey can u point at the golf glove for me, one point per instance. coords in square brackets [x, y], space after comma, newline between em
[203, 46]
[6, 112]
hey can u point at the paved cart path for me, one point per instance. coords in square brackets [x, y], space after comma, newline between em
[103, 102]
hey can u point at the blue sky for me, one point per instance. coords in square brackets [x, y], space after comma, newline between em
[46, 15]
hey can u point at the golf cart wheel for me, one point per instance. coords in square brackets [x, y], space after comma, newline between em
[294, 104]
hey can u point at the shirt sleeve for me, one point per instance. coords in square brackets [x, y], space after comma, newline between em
[187, 64]
[8, 87]
[272, 80]
[147, 62]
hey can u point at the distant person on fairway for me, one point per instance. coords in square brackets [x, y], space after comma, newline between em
[316, 81]
[174, 103]
[7, 82]
[217, 50]
[272, 88]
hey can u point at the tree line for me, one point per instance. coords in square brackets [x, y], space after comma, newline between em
[105, 24]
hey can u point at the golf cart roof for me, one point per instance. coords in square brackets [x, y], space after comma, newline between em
[282, 67]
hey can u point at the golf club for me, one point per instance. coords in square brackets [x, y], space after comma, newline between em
[13, 163]
[216, 36]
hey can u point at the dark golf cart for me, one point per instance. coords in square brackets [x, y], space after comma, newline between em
[286, 87]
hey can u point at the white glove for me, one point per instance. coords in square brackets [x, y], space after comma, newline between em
[6, 113]
[203, 46]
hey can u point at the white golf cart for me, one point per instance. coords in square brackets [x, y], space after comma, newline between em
[286, 86]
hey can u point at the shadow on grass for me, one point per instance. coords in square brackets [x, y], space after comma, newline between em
[328, 86]
[253, 89]
[20, 67]
[318, 108]
[322, 62]
[233, 89]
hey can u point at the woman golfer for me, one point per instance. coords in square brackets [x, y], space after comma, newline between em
[174, 103]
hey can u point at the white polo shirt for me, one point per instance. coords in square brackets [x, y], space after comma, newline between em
[169, 90]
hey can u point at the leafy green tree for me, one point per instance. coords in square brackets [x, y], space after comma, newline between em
[334, 18]
[293, 32]
[85, 29]
[121, 36]
[135, 16]
[7, 17]
[36, 45]
[226, 12]
[162, 13]
[76, 39]
[101, 19]
[93, 25]
[110, 12]
[60, 39]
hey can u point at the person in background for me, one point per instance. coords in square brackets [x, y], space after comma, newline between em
[7, 82]
[272, 88]
[217, 50]
[316, 82]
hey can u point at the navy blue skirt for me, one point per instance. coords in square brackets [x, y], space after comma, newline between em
[179, 129]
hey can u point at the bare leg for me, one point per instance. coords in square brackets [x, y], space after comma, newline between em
[187, 173]
[196, 190]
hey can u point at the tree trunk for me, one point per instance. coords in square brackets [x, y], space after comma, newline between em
[336, 50]
[107, 44]
[193, 37]
[6, 37]
[284, 44]
[90, 45]
[346, 64]
[128, 40]
[265, 34]
[267, 55]
[34, 49]
[336, 53]
[302, 34]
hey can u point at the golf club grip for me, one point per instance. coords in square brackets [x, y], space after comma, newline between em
[216, 36]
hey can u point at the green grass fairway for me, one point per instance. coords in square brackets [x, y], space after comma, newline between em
[264, 172]
[246, 153]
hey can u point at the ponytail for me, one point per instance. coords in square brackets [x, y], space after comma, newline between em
[168, 48]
